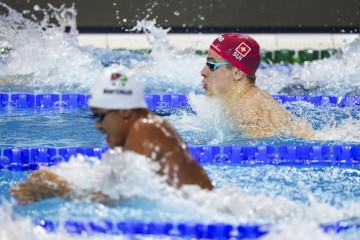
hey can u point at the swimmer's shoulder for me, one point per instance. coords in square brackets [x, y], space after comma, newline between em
[251, 100]
[151, 135]
[265, 97]
[152, 126]
[254, 95]
[253, 105]
[149, 121]
[263, 94]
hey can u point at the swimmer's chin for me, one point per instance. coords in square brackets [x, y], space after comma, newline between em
[209, 94]
[107, 139]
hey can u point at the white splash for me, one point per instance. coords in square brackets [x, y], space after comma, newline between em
[213, 112]
[15, 227]
[299, 230]
[210, 121]
[127, 175]
[118, 175]
[9, 227]
[168, 65]
[335, 76]
[42, 54]
[346, 131]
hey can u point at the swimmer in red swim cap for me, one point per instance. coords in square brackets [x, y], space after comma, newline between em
[230, 74]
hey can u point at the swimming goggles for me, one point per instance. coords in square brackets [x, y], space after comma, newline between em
[99, 117]
[214, 65]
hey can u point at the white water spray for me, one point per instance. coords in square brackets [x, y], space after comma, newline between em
[43, 54]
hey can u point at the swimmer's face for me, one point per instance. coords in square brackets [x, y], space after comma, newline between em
[219, 81]
[112, 124]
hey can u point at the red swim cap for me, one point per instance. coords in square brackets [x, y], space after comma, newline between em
[240, 50]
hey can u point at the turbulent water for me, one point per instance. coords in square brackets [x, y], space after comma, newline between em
[42, 58]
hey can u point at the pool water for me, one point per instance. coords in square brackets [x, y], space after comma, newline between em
[298, 197]
[58, 127]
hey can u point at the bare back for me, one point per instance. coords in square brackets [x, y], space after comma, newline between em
[259, 115]
[155, 138]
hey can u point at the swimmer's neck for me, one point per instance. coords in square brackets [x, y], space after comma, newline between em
[238, 90]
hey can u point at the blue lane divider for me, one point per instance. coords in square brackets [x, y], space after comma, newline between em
[161, 103]
[4, 98]
[183, 230]
[288, 155]
[23, 100]
[176, 230]
[21, 159]
[44, 101]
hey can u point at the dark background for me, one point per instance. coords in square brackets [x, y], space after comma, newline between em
[252, 16]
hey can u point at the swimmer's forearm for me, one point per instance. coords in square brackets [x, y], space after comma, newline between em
[52, 185]
[59, 187]
[40, 185]
[44, 184]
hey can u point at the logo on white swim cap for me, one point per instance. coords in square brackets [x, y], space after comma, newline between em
[118, 78]
[114, 90]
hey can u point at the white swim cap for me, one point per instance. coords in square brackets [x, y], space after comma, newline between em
[114, 90]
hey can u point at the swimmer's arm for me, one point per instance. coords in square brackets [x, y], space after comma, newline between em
[44, 184]
[40, 185]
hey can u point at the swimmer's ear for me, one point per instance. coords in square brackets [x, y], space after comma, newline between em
[238, 75]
